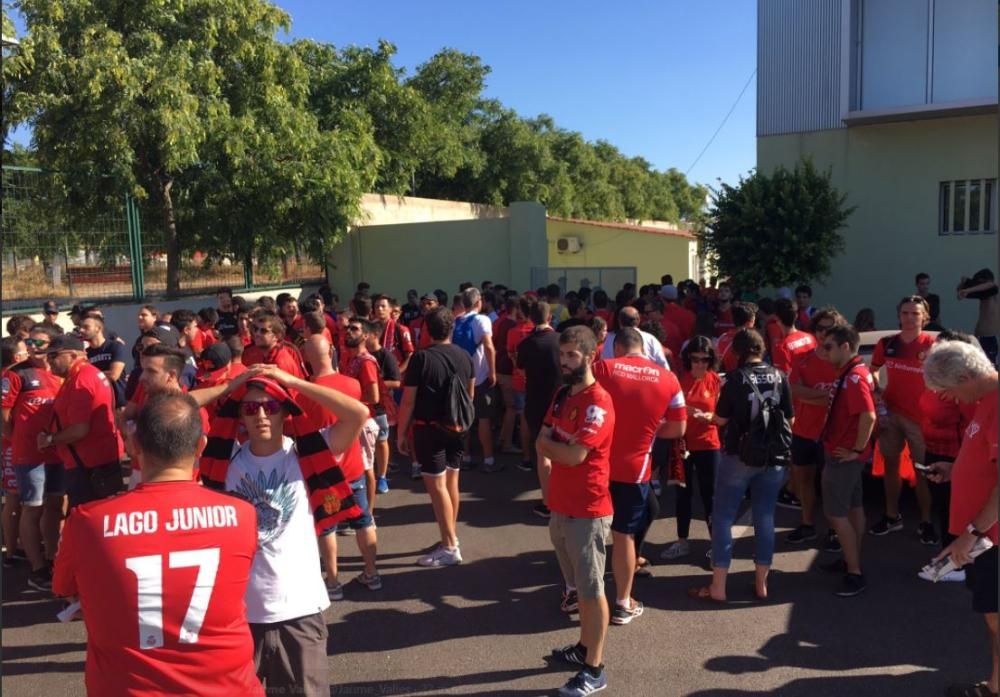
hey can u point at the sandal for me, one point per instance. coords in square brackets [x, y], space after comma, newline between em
[704, 593]
[977, 690]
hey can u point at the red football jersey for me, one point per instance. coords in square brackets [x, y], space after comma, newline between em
[975, 472]
[703, 395]
[682, 318]
[809, 370]
[139, 399]
[589, 417]
[161, 573]
[351, 462]
[730, 360]
[786, 350]
[943, 421]
[283, 355]
[904, 366]
[644, 396]
[856, 397]
[86, 395]
[514, 338]
[29, 393]
[723, 321]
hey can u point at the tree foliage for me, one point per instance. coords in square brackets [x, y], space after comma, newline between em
[239, 144]
[778, 229]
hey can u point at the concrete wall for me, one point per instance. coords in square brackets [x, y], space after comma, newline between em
[892, 173]
[652, 254]
[500, 245]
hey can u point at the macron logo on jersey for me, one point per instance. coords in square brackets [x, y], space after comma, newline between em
[973, 430]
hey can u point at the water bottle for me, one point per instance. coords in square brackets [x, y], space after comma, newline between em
[938, 569]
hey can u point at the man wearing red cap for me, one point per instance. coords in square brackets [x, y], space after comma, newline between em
[278, 475]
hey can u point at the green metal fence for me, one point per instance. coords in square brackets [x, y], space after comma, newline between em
[52, 249]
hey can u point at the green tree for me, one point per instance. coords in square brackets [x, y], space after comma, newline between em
[778, 229]
[189, 102]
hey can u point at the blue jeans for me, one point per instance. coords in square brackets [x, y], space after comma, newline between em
[731, 482]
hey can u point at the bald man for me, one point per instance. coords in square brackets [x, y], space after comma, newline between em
[316, 352]
[628, 316]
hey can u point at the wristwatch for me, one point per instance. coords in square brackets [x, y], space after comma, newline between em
[971, 529]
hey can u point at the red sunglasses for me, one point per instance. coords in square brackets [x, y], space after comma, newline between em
[270, 407]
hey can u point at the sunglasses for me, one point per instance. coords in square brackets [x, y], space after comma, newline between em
[270, 407]
[36, 343]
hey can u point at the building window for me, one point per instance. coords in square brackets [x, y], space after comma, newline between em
[968, 206]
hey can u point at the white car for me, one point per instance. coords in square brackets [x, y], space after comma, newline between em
[870, 339]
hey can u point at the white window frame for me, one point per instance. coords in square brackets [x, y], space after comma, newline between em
[945, 222]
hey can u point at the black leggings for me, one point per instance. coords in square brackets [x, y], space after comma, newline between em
[940, 499]
[702, 463]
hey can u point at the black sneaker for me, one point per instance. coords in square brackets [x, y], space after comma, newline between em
[525, 466]
[788, 500]
[542, 511]
[9, 562]
[835, 567]
[41, 580]
[925, 531]
[803, 533]
[887, 525]
[574, 653]
[853, 584]
[832, 543]
[570, 602]
[624, 615]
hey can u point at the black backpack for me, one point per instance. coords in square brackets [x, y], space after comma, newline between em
[459, 411]
[768, 439]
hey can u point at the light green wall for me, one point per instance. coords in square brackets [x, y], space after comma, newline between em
[651, 254]
[892, 172]
[441, 254]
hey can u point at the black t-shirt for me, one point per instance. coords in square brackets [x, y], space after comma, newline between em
[389, 368]
[739, 404]
[226, 326]
[429, 371]
[538, 357]
[408, 313]
[101, 357]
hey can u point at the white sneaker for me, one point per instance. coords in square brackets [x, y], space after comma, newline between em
[442, 556]
[678, 549]
[953, 576]
[415, 470]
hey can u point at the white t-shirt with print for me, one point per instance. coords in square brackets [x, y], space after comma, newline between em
[285, 579]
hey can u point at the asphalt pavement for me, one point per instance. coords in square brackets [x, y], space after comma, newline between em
[485, 627]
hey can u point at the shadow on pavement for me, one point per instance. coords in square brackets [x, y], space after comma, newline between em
[918, 684]
[491, 684]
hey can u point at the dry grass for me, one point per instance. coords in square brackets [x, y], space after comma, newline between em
[32, 284]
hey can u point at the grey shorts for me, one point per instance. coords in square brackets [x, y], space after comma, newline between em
[35, 482]
[897, 431]
[580, 549]
[841, 487]
[290, 656]
[484, 401]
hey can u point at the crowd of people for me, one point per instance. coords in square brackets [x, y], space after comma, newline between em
[203, 470]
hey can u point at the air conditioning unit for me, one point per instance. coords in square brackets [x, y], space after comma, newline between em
[568, 245]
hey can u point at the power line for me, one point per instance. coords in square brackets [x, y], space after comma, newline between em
[728, 114]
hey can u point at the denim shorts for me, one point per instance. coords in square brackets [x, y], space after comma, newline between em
[519, 400]
[359, 487]
[383, 427]
[35, 482]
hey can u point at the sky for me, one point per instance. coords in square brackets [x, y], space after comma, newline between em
[654, 78]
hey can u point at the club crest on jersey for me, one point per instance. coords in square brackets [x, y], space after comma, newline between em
[855, 378]
[331, 504]
[921, 355]
[972, 430]
[595, 415]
